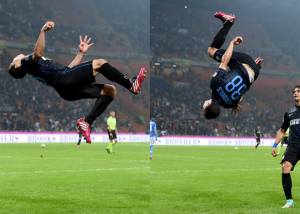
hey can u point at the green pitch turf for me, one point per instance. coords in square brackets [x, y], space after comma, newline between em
[73, 180]
[217, 180]
[185, 180]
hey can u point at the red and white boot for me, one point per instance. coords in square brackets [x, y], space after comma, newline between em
[138, 81]
[85, 129]
[224, 17]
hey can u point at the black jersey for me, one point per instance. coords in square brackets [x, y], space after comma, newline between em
[229, 86]
[43, 69]
[258, 133]
[292, 121]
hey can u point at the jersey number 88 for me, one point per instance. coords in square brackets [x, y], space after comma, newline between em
[236, 87]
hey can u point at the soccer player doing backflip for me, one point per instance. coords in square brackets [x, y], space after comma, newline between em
[77, 80]
[236, 73]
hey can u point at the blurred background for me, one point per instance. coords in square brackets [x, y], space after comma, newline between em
[182, 30]
[120, 31]
[178, 32]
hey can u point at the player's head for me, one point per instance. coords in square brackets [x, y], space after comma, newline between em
[112, 114]
[15, 67]
[211, 109]
[296, 93]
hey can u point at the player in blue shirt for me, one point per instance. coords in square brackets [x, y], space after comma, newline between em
[236, 73]
[77, 80]
[153, 136]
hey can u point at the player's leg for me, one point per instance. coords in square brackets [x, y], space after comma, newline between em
[245, 59]
[288, 162]
[79, 138]
[220, 37]
[152, 142]
[114, 136]
[104, 95]
[287, 184]
[134, 85]
[257, 142]
[113, 140]
[109, 147]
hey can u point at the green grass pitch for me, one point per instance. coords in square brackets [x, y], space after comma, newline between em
[179, 179]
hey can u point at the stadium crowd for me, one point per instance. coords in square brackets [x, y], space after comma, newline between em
[180, 35]
[28, 105]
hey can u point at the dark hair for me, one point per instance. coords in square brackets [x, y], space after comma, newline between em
[18, 73]
[213, 110]
[296, 86]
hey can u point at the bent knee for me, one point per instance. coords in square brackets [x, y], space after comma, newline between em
[211, 51]
[109, 90]
[286, 167]
[97, 63]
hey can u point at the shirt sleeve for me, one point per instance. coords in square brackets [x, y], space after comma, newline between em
[286, 122]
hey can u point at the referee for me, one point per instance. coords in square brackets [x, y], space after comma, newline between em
[292, 154]
[111, 131]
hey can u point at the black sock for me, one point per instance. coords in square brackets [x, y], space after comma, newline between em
[221, 36]
[287, 185]
[114, 75]
[100, 105]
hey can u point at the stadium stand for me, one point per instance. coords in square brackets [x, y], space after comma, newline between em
[22, 106]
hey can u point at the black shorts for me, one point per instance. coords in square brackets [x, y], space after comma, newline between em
[112, 134]
[292, 155]
[82, 92]
[77, 83]
[77, 76]
[237, 60]
[258, 139]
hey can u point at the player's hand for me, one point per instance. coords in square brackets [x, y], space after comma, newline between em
[84, 44]
[206, 104]
[48, 26]
[237, 40]
[236, 109]
[274, 152]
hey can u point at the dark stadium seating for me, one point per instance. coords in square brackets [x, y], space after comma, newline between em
[28, 105]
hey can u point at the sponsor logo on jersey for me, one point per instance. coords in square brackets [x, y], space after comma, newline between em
[294, 122]
[224, 96]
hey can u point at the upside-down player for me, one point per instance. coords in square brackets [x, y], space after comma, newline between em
[77, 80]
[236, 73]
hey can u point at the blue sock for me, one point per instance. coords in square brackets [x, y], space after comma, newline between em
[151, 150]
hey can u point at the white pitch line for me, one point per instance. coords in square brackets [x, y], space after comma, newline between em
[213, 170]
[74, 170]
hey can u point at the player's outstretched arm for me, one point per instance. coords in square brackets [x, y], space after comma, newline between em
[279, 135]
[84, 45]
[228, 53]
[40, 43]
